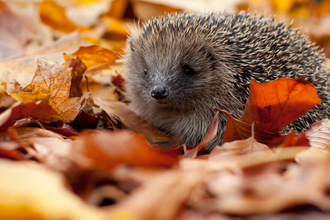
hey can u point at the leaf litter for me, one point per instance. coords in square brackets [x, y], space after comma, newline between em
[65, 150]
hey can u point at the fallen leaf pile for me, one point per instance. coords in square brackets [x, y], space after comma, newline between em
[72, 148]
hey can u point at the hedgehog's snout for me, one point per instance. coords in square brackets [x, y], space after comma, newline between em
[159, 92]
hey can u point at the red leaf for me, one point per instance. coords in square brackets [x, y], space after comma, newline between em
[38, 110]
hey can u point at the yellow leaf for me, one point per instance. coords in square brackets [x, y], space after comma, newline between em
[94, 55]
[51, 83]
[42, 194]
[116, 26]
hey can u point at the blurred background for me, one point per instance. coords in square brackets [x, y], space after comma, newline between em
[29, 24]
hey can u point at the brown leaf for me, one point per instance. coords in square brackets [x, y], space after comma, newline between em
[77, 71]
[118, 81]
[61, 128]
[274, 105]
[131, 120]
[237, 149]
[84, 121]
[107, 150]
[38, 110]
[28, 132]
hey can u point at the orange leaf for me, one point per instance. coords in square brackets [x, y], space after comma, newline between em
[107, 150]
[94, 55]
[274, 105]
[116, 27]
[296, 140]
[239, 130]
[54, 16]
[118, 8]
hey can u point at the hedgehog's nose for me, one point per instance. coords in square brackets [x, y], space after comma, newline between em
[159, 92]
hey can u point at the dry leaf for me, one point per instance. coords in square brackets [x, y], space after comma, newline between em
[77, 71]
[131, 120]
[94, 56]
[21, 70]
[54, 15]
[54, 152]
[312, 155]
[261, 191]
[107, 150]
[274, 105]
[237, 149]
[296, 140]
[239, 130]
[319, 134]
[165, 195]
[28, 132]
[40, 195]
[38, 110]
[51, 84]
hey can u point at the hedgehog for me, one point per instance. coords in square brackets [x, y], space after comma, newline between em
[180, 66]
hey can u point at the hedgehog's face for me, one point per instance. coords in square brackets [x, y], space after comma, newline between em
[169, 74]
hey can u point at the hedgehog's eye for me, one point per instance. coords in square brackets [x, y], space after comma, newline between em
[145, 72]
[188, 70]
